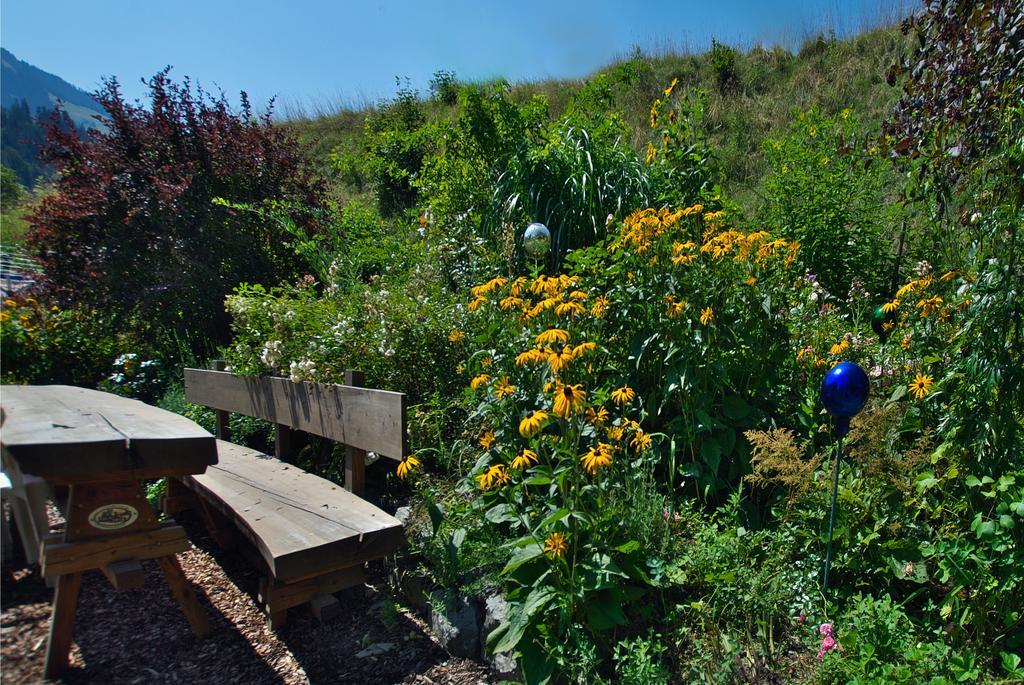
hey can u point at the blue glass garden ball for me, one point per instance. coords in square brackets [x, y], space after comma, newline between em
[537, 240]
[844, 391]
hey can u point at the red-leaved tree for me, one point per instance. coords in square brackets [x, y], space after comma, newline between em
[133, 229]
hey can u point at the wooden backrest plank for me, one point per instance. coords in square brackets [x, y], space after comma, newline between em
[372, 420]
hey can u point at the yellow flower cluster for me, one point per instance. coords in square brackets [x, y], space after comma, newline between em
[494, 476]
[643, 227]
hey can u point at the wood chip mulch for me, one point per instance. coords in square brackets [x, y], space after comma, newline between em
[141, 637]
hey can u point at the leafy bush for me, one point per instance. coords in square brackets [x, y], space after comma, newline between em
[830, 194]
[131, 227]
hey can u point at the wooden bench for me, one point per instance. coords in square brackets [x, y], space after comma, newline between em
[310, 536]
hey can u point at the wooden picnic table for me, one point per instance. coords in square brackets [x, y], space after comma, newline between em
[100, 446]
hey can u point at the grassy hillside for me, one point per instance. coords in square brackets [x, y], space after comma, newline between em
[750, 95]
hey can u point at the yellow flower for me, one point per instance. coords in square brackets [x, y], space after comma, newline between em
[577, 295]
[456, 336]
[671, 87]
[921, 385]
[839, 348]
[502, 387]
[486, 362]
[615, 433]
[534, 356]
[570, 309]
[597, 417]
[569, 400]
[10, 303]
[4, 316]
[487, 439]
[558, 361]
[494, 475]
[654, 113]
[532, 423]
[475, 304]
[517, 287]
[408, 464]
[600, 307]
[674, 308]
[707, 316]
[459, 369]
[598, 458]
[623, 395]
[640, 441]
[929, 306]
[488, 287]
[479, 380]
[525, 459]
[555, 546]
[905, 343]
[511, 302]
[890, 307]
[583, 348]
[552, 336]
[751, 280]
[652, 152]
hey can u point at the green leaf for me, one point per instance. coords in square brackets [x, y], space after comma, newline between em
[554, 518]
[538, 668]
[735, 407]
[436, 516]
[501, 513]
[628, 547]
[517, 625]
[604, 611]
[527, 553]
[711, 453]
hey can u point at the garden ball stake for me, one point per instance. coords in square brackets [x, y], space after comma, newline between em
[537, 241]
[844, 392]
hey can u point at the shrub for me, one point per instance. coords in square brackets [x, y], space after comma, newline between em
[132, 227]
[830, 194]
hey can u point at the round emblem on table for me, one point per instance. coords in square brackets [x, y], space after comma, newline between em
[113, 516]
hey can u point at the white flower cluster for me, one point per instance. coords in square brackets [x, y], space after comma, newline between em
[302, 371]
[271, 354]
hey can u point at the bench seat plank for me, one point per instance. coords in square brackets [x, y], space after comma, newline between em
[301, 524]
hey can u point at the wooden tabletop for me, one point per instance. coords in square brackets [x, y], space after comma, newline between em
[67, 434]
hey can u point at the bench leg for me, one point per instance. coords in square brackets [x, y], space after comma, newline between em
[221, 529]
[62, 623]
[326, 608]
[277, 619]
[183, 592]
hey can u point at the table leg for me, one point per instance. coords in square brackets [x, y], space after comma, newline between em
[62, 622]
[183, 592]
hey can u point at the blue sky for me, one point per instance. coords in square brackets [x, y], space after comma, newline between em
[347, 52]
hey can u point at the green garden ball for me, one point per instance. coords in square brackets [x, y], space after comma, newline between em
[537, 240]
[879, 319]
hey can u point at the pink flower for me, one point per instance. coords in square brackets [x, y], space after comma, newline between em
[828, 642]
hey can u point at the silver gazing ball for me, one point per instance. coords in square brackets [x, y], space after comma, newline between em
[537, 240]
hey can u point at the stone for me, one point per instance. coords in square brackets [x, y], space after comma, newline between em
[453, 622]
[496, 613]
[403, 514]
[376, 649]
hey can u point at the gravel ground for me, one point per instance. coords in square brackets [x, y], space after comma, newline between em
[140, 636]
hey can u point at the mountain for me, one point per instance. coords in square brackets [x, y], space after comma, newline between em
[22, 81]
